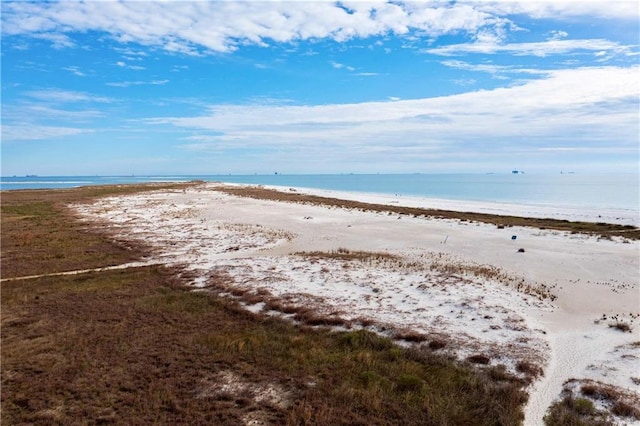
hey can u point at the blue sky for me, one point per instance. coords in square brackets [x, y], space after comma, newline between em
[179, 87]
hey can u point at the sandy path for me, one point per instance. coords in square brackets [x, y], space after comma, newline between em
[85, 271]
[207, 230]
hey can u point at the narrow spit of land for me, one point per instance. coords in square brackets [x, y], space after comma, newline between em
[137, 346]
[605, 230]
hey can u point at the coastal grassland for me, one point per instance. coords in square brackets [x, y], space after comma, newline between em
[137, 346]
[602, 230]
[40, 234]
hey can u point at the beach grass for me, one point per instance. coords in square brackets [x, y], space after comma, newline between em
[137, 346]
[591, 403]
[599, 229]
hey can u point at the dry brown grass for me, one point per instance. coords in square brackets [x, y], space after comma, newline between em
[530, 369]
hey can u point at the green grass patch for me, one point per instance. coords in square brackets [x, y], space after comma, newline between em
[571, 411]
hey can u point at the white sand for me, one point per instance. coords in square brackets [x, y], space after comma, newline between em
[585, 214]
[253, 241]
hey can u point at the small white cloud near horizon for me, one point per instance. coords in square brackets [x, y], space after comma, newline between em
[30, 132]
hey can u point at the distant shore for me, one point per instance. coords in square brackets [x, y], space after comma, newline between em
[613, 197]
[612, 216]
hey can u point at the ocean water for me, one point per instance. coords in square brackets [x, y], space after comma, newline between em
[601, 191]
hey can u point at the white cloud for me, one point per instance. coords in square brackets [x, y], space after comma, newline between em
[34, 132]
[558, 35]
[123, 64]
[137, 83]
[42, 111]
[558, 9]
[74, 70]
[490, 68]
[192, 27]
[65, 96]
[58, 41]
[188, 27]
[337, 65]
[545, 48]
[582, 107]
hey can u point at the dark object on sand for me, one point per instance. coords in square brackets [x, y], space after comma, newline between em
[513, 237]
[520, 250]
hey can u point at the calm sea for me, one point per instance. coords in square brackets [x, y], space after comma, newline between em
[606, 191]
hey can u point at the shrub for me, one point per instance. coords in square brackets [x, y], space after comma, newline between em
[529, 368]
[479, 359]
[410, 336]
[623, 409]
[575, 411]
[622, 326]
[437, 344]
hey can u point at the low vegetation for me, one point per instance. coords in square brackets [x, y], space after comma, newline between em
[602, 230]
[136, 346]
[578, 405]
[39, 235]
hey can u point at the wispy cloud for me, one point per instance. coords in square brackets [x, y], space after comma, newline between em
[75, 70]
[27, 132]
[39, 113]
[540, 113]
[122, 64]
[65, 96]
[545, 48]
[58, 40]
[137, 83]
[338, 66]
[45, 112]
[491, 68]
[557, 9]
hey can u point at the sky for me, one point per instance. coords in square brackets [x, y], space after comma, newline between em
[243, 87]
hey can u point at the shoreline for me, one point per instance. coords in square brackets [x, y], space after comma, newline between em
[535, 211]
[254, 242]
[571, 212]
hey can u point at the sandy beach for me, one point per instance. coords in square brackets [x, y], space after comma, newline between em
[539, 302]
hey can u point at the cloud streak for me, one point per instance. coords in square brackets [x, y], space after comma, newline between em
[30, 132]
[137, 83]
[65, 96]
[541, 49]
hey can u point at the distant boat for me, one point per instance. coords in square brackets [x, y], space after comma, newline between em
[32, 176]
[515, 172]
